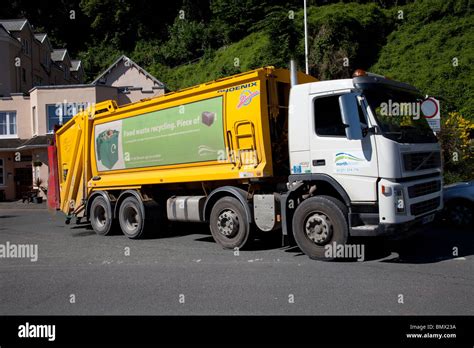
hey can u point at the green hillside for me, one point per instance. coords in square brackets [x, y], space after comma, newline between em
[433, 49]
[418, 48]
[427, 43]
[251, 52]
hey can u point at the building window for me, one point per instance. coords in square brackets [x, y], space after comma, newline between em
[25, 46]
[46, 55]
[23, 74]
[59, 114]
[34, 120]
[8, 124]
[2, 172]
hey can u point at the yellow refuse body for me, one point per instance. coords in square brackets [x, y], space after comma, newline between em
[213, 132]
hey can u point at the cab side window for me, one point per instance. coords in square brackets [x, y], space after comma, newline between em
[328, 116]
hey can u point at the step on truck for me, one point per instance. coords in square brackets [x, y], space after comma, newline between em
[266, 151]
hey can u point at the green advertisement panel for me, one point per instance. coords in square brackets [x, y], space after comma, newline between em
[184, 134]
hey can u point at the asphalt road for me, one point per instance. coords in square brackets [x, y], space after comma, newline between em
[184, 272]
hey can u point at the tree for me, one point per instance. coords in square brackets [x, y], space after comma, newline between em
[280, 25]
[124, 22]
[186, 42]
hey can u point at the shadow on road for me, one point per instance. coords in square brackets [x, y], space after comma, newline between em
[83, 233]
[433, 244]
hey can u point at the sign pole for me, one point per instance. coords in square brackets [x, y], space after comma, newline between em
[306, 39]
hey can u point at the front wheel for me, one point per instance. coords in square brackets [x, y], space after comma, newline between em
[318, 222]
[229, 224]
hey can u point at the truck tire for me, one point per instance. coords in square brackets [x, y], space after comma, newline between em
[317, 222]
[229, 224]
[132, 218]
[101, 216]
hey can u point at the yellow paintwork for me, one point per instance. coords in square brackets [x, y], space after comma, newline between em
[245, 129]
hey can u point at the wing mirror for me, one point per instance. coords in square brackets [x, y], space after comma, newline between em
[350, 116]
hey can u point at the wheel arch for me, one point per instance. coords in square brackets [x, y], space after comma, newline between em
[126, 194]
[325, 185]
[457, 200]
[227, 191]
[108, 198]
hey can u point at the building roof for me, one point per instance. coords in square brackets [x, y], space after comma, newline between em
[82, 85]
[10, 144]
[130, 63]
[37, 141]
[4, 29]
[58, 55]
[13, 39]
[40, 36]
[22, 144]
[13, 24]
[75, 65]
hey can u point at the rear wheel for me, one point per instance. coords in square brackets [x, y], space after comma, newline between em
[101, 216]
[229, 224]
[132, 217]
[318, 222]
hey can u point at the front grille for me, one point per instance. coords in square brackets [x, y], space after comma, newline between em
[421, 160]
[424, 189]
[425, 206]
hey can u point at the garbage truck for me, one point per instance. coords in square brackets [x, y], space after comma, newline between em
[265, 151]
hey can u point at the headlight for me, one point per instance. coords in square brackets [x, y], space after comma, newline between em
[399, 201]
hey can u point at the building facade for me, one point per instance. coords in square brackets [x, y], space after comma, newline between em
[45, 90]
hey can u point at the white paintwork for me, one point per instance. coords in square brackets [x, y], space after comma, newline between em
[383, 157]
[359, 182]
[306, 146]
[387, 202]
[298, 119]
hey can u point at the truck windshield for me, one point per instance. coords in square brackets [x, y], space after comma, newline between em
[399, 115]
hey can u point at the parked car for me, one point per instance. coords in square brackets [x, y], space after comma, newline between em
[459, 203]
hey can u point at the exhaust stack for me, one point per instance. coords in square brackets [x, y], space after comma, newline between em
[293, 73]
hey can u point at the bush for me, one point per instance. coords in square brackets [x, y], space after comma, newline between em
[457, 148]
[97, 58]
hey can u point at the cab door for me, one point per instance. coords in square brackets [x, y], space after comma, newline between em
[352, 163]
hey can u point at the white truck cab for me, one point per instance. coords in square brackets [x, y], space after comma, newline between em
[344, 143]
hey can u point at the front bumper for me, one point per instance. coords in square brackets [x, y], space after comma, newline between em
[397, 230]
[406, 229]
[416, 204]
